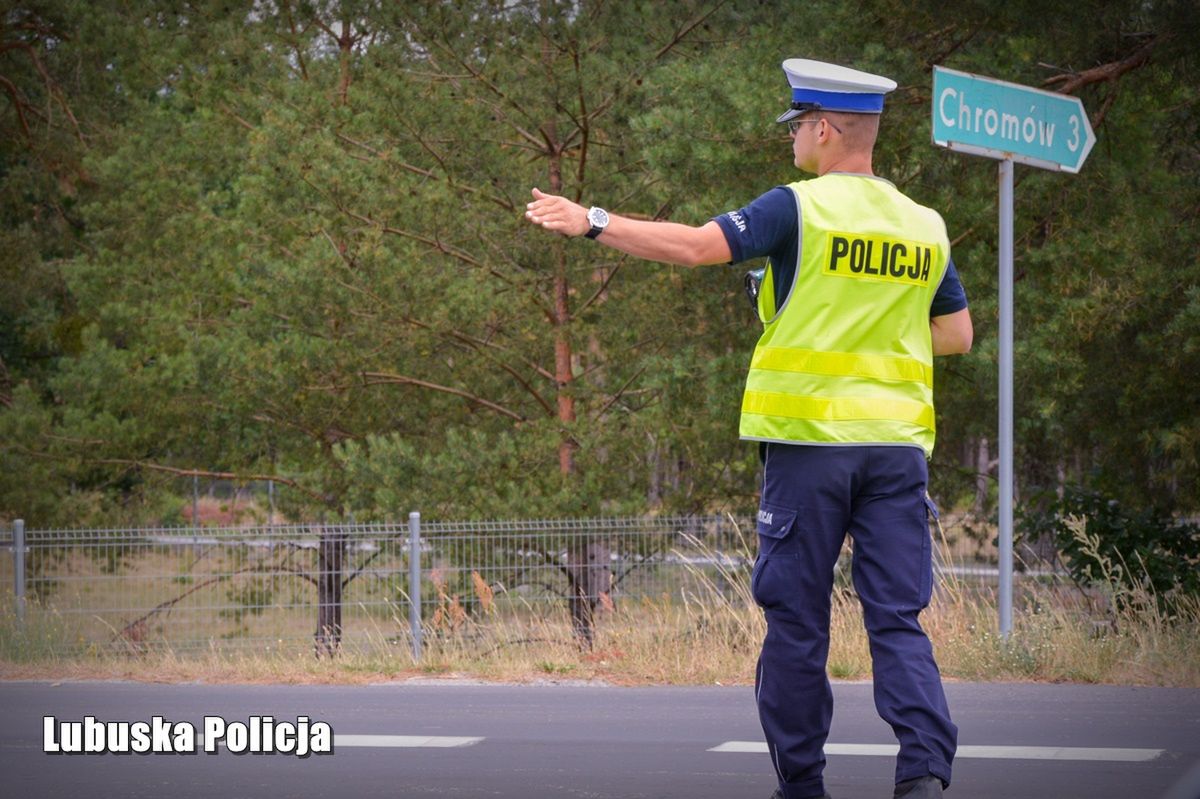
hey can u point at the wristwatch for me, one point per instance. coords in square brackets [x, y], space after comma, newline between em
[598, 218]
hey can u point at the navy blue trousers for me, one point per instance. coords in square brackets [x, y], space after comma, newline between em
[812, 497]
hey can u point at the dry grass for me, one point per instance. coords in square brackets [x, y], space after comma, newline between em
[705, 634]
[663, 642]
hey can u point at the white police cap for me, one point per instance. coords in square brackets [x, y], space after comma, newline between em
[817, 85]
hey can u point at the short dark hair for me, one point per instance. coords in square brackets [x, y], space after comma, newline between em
[860, 130]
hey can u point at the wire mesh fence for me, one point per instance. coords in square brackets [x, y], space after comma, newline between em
[341, 585]
[337, 586]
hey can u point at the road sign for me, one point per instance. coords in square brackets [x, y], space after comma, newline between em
[997, 119]
[1008, 122]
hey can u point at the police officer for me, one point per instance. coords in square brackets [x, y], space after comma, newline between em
[859, 293]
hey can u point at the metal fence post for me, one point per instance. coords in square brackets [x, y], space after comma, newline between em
[19, 567]
[414, 581]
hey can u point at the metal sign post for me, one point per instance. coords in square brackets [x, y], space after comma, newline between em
[1008, 122]
[1006, 395]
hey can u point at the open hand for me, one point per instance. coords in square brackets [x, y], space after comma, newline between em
[558, 214]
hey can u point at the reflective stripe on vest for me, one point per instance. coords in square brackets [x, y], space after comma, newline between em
[848, 359]
[835, 409]
[879, 367]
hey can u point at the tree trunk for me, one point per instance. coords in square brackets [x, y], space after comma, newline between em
[983, 461]
[563, 374]
[589, 574]
[345, 52]
[654, 491]
[330, 550]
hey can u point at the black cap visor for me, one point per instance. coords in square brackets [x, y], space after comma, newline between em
[796, 110]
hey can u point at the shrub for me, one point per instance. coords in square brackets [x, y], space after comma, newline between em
[1100, 540]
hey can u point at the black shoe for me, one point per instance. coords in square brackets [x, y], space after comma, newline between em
[921, 788]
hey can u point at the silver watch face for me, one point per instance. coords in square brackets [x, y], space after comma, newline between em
[598, 217]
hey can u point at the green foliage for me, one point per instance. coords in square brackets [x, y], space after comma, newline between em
[1103, 542]
[239, 239]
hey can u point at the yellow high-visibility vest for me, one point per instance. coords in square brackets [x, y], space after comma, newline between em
[848, 359]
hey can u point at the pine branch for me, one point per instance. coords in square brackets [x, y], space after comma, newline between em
[384, 378]
[170, 603]
[1071, 82]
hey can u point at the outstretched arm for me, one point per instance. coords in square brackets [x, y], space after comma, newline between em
[669, 242]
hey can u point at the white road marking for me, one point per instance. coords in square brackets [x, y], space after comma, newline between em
[403, 741]
[1105, 753]
[987, 752]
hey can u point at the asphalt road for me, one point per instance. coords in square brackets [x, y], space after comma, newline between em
[530, 742]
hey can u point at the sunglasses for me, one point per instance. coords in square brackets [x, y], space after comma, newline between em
[794, 124]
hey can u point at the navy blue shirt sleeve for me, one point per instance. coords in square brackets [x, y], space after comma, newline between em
[950, 297]
[765, 227]
[769, 226]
